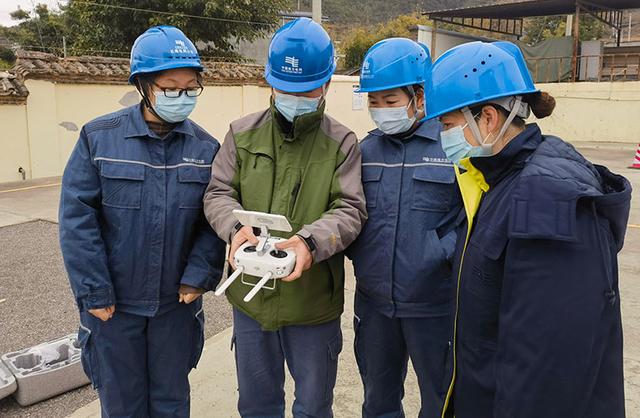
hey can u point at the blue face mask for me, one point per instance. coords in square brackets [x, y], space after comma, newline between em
[456, 147]
[174, 109]
[291, 106]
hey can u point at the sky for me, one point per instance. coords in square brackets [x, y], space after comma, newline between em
[8, 6]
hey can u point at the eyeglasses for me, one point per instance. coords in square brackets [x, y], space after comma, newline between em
[175, 93]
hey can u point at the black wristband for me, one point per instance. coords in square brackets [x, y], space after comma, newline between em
[309, 241]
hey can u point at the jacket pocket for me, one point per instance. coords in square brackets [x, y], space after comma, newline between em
[256, 179]
[434, 188]
[88, 356]
[371, 177]
[198, 338]
[358, 349]
[333, 351]
[122, 184]
[192, 182]
[487, 270]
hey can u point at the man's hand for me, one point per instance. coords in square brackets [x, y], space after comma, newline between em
[187, 294]
[104, 314]
[304, 259]
[243, 235]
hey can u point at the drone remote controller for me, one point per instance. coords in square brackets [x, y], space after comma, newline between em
[262, 260]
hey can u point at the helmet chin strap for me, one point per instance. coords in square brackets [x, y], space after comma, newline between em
[473, 125]
[414, 101]
[324, 95]
[148, 105]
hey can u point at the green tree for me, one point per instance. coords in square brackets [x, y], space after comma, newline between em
[359, 40]
[97, 27]
[41, 29]
[539, 29]
[100, 27]
[362, 12]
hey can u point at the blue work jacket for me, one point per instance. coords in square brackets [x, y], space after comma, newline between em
[132, 228]
[538, 326]
[403, 256]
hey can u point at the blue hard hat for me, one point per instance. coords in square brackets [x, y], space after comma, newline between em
[301, 57]
[475, 73]
[392, 63]
[163, 48]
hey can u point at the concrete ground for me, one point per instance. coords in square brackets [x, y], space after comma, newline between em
[35, 305]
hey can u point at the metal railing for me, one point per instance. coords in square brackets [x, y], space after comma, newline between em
[605, 67]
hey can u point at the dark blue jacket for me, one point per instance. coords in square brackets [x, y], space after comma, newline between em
[539, 330]
[403, 256]
[132, 227]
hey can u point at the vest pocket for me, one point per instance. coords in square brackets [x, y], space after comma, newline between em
[371, 177]
[122, 184]
[433, 188]
[192, 182]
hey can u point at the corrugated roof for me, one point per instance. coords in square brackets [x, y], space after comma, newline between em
[105, 70]
[12, 89]
[509, 9]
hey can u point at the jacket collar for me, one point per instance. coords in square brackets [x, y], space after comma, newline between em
[137, 126]
[512, 157]
[301, 124]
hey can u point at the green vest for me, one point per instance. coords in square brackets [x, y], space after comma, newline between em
[295, 177]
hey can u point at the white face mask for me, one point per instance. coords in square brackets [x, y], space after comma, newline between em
[393, 120]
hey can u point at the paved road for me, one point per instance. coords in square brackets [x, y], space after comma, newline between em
[36, 305]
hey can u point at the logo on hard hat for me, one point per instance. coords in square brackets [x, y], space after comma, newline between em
[294, 65]
[292, 61]
[366, 73]
[181, 48]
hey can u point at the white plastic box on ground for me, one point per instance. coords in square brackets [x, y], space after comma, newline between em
[8, 383]
[46, 370]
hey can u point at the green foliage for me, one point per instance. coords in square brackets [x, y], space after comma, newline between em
[539, 29]
[359, 40]
[116, 29]
[101, 30]
[368, 12]
[40, 29]
[7, 55]
[363, 12]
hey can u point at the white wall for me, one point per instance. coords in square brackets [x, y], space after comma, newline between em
[41, 135]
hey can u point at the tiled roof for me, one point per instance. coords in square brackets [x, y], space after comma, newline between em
[105, 70]
[12, 89]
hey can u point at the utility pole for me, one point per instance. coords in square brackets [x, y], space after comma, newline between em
[629, 32]
[316, 11]
[64, 47]
[569, 26]
[576, 43]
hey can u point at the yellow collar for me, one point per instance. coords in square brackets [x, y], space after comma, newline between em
[475, 174]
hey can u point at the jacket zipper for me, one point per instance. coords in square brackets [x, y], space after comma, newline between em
[294, 197]
[470, 212]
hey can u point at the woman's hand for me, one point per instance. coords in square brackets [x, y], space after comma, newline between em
[104, 314]
[187, 294]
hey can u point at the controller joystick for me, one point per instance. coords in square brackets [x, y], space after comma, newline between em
[262, 260]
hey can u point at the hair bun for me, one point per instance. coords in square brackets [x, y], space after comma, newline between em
[542, 104]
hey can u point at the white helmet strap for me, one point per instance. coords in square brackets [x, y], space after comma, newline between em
[473, 125]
